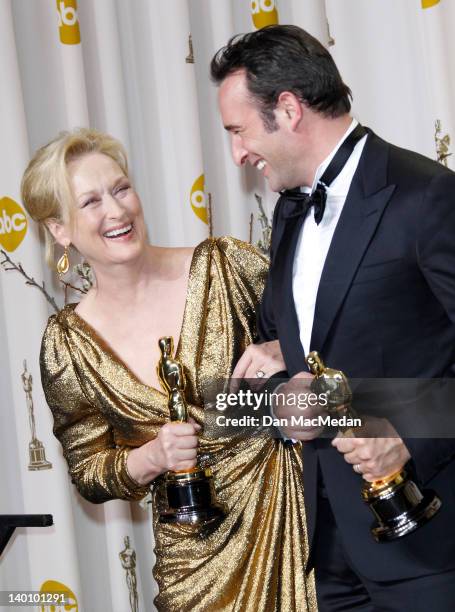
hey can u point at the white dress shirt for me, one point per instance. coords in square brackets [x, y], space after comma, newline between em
[314, 240]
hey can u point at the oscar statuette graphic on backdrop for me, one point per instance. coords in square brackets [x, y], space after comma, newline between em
[189, 59]
[127, 558]
[37, 453]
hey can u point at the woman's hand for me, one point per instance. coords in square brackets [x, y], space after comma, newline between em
[174, 448]
[259, 361]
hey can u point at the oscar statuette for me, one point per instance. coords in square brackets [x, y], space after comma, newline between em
[397, 503]
[191, 498]
[37, 452]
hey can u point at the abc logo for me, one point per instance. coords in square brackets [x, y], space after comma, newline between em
[264, 13]
[55, 587]
[429, 3]
[13, 224]
[68, 22]
[197, 199]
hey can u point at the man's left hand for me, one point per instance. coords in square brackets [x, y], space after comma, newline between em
[376, 458]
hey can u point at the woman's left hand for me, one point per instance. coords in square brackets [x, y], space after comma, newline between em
[259, 361]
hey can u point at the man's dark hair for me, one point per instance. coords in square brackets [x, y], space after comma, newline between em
[281, 58]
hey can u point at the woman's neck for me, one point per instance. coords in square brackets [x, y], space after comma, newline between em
[129, 285]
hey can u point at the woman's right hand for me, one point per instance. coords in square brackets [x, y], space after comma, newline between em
[174, 448]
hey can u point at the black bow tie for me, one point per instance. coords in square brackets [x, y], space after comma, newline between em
[296, 203]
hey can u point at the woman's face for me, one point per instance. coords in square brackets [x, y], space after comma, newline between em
[108, 223]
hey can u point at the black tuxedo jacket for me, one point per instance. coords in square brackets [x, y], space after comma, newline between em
[385, 308]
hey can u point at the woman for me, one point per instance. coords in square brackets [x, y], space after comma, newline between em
[98, 365]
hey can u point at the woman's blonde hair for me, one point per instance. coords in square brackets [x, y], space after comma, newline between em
[45, 188]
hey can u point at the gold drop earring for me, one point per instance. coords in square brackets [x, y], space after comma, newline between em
[63, 264]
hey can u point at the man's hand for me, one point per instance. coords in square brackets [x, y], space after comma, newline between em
[376, 457]
[265, 359]
[289, 396]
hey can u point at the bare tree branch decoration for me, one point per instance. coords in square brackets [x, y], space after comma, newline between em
[442, 144]
[209, 215]
[263, 243]
[250, 233]
[67, 287]
[84, 272]
[9, 265]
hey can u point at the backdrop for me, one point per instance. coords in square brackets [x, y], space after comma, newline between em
[139, 70]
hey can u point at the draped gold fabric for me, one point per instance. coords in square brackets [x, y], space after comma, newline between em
[254, 561]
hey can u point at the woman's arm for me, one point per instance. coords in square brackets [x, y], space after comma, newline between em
[100, 469]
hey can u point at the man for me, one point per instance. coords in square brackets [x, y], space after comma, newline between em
[369, 282]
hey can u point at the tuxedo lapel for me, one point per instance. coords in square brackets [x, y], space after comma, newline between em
[366, 201]
[283, 300]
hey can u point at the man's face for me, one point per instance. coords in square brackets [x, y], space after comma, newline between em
[269, 152]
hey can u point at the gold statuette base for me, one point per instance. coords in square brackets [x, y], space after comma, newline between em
[37, 456]
[191, 498]
[398, 506]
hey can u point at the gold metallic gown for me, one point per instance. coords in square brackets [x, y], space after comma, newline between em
[255, 560]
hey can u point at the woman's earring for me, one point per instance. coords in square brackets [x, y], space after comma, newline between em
[63, 264]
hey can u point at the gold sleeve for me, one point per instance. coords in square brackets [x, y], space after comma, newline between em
[96, 465]
[244, 272]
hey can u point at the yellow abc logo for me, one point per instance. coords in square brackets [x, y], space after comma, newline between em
[264, 13]
[197, 199]
[13, 224]
[53, 587]
[429, 3]
[68, 22]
